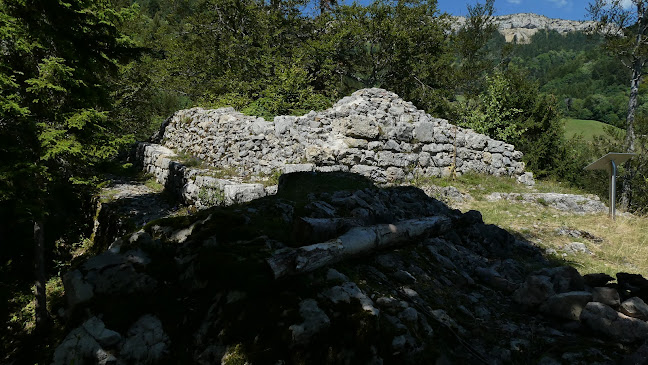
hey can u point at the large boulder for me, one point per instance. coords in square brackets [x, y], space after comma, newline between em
[603, 319]
[635, 307]
[566, 305]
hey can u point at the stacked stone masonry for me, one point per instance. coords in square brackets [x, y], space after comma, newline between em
[373, 132]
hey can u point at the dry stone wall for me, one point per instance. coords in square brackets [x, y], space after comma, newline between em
[195, 186]
[373, 132]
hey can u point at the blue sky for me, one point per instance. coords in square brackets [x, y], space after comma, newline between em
[563, 9]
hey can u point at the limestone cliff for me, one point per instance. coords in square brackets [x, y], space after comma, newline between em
[521, 27]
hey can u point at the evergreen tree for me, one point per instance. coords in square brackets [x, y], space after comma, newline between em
[57, 61]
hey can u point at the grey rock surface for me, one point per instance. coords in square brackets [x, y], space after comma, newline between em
[89, 342]
[603, 319]
[608, 296]
[535, 291]
[635, 307]
[315, 321]
[207, 279]
[576, 247]
[146, 342]
[566, 305]
[105, 337]
[579, 204]
[77, 290]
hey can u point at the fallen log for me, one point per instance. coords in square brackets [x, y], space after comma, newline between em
[356, 241]
[311, 230]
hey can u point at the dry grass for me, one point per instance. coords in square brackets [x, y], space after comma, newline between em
[624, 246]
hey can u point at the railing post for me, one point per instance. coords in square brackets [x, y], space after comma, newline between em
[613, 190]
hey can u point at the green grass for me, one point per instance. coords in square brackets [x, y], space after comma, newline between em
[479, 185]
[588, 128]
[153, 184]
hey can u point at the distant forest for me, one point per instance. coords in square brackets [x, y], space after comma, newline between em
[588, 82]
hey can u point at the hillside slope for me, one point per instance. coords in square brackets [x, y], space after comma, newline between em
[587, 128]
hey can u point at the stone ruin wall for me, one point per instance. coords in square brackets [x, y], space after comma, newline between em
[373, 132]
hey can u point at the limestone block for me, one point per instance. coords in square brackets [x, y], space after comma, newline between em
[388, 158]
[105, 337]
[375, 173]
[315, 321]
[566, 305]
[77, 347]
[608, 296]
[496, 161]
[424, 132]
[334, 168]
[77, 290]
[476, 141]
[495, 146]
[362, 127]
[395, 174]
[535, 290]
[146, 342]
[526, 179]
[356, 143]
[240, 193]
[402, 131]
[601, 318]
[424, 159]
[304, 167]
[635, 307]
[283, 124]
[392, 145]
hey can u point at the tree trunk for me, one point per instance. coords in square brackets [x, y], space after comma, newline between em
[311, 230]
[42, 317]
[629, 143]
[357, 241]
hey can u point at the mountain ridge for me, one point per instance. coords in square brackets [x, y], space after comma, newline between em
[521, 27]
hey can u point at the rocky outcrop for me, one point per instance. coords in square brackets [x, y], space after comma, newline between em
[578, 204]
[521, 27]
[561, 293]
[332, 269]
[373, 133]
[92, 343]
[124, 206]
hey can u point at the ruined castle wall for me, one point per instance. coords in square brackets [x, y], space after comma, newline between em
[372, 132]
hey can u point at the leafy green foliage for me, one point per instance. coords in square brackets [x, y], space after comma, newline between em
[265, 59]
[497, 113]
[512, 110]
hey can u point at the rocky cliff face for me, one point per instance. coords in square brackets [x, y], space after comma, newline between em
[521, 27]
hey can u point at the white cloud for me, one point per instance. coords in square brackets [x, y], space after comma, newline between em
[517, 2]
[561, 3]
